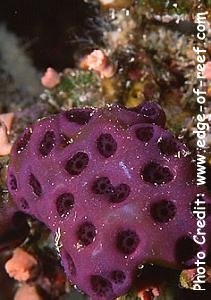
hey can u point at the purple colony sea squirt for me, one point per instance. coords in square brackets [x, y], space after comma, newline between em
[119, 188]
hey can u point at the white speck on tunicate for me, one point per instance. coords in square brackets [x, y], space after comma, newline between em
[78, 246]
[97, 250]
[125, 169]
[74, 218]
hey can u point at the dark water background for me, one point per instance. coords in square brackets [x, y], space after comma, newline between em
[48, 28]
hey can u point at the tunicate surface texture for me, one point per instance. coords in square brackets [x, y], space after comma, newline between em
[116, 185]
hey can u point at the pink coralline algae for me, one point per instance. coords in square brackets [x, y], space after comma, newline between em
[21, 266]
[207, 70]
[115, 187]
[98, 61]
[50, 79]
[5, 126]
[5, 145]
